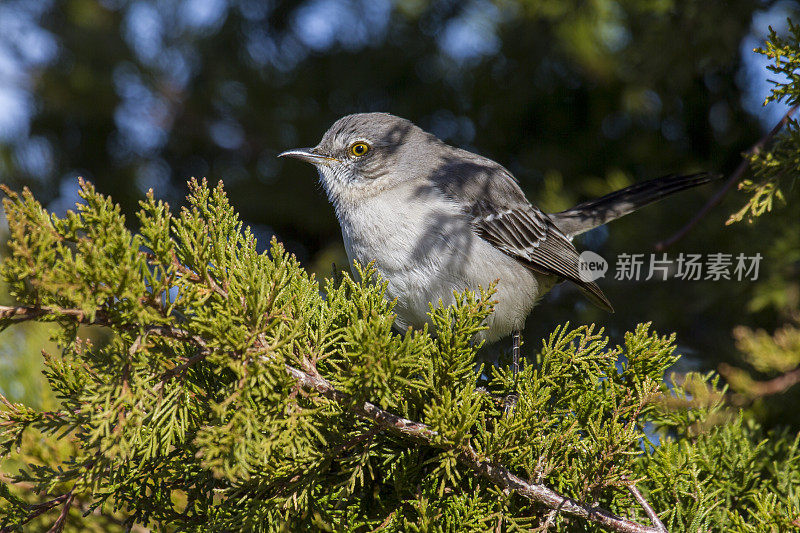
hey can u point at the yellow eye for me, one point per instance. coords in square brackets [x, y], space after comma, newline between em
[359, 149]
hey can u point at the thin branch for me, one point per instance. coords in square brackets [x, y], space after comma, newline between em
[23, 313]
[389, 421]
[498, 474]
[6, 402]
[38, 509]
[551, 516]
[769, 387]
[648, 509]
[62, 518]
[484, 467]
[355, 441]
[731, 181]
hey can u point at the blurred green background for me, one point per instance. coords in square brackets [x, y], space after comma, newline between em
[575, 97]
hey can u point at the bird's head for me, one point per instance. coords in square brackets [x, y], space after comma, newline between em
[363, 154]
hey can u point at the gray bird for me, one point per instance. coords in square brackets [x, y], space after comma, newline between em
[437, 219]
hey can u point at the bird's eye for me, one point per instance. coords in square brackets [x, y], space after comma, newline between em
[359, 149]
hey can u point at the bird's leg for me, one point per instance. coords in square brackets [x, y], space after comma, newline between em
[511, 399]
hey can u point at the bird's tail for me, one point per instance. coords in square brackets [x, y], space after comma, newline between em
[593, 213]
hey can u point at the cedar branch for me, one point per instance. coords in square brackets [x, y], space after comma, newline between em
[733, 179]
[648, 509]
[776, 385]
[484, 467]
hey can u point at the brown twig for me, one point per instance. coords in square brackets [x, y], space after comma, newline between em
[23, 313]
[648, 509]
[62, 518]
[38, 509]
[769, 387]
[498, 474]
[731, 181]
[548, 522]
[6, 402]
[484, 467]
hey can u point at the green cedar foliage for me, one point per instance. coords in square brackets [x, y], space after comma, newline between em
[181, 415]
[766, 376]
[776, 170]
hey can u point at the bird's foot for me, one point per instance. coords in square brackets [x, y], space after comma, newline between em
[509, 403]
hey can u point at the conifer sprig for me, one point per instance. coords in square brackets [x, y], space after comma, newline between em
[206, 386]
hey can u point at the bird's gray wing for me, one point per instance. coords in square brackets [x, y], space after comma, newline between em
[527, 234]
[502, 216]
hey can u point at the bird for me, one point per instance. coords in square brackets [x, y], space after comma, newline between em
[435, 220]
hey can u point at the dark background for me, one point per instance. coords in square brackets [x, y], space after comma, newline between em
[576, 98]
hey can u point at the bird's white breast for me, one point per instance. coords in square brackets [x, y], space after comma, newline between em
[424, 246]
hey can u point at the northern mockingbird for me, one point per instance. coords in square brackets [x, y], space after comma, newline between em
[437, 220]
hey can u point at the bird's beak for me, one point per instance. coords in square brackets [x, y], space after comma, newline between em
[307, 155]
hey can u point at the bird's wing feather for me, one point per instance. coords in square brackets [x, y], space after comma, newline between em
[528, 235]
[502, 216]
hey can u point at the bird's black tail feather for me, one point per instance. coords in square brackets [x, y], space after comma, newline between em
[593, 213]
